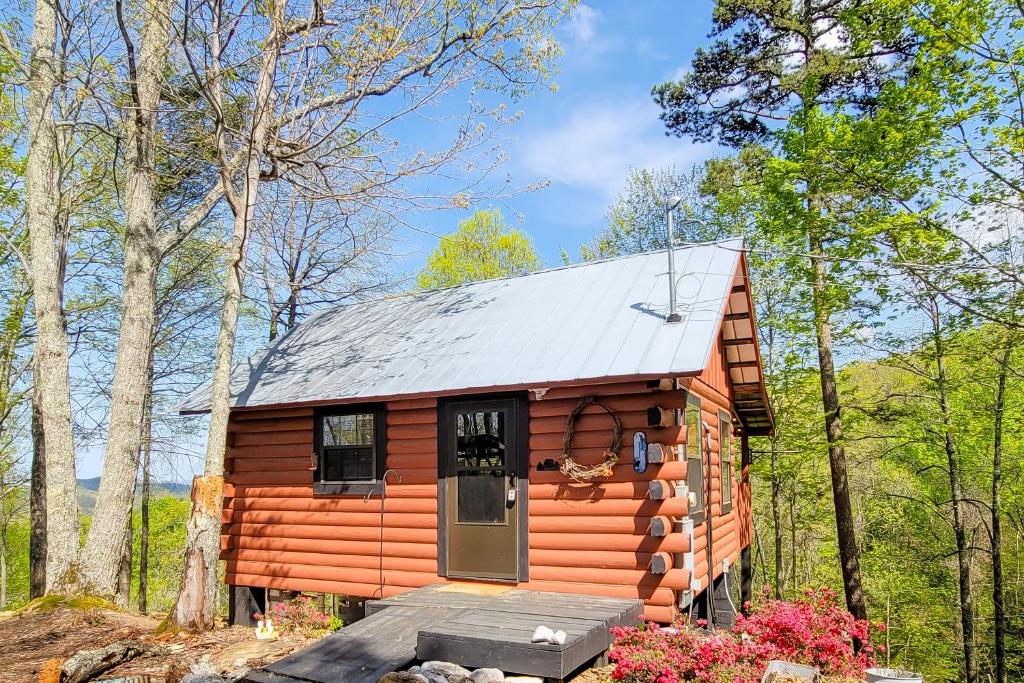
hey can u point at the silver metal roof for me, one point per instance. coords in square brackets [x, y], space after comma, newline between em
[603, 319]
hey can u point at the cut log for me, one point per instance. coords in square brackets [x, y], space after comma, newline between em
[87, 664]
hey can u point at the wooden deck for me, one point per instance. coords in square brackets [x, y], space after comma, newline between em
[474, 625]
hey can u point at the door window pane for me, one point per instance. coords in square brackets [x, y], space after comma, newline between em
[480, 466]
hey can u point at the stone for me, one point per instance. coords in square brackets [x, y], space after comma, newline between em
[447, 669]
[203, 671]
[487, 676]
[403, 677]
[238, 655]
[429, 675]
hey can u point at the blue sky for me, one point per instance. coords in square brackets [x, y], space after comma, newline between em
[583, 138]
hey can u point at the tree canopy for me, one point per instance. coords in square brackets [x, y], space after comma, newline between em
[483, 248]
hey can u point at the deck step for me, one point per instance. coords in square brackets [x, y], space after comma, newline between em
[470, 629]
[360, 653]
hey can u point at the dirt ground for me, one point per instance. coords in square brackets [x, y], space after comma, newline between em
[29, 640]
[42, 638]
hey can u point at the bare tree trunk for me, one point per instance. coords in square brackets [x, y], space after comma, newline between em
[779, 575]
[111, 520]
[999, 607]
[849, 554]
[956, 499]
[47, 286]
[147, 451]
[3, 566]
[123, 596]
[793, 555]
[37, 497]
[195, 608]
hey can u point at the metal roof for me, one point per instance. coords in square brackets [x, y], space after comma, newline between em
[602, 319]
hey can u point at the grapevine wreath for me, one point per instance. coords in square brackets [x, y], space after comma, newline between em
[586, 473]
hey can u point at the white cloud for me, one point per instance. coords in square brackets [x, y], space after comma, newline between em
[582, 24]
[595, 145]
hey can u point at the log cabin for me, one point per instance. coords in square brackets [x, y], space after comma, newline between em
[564, 430]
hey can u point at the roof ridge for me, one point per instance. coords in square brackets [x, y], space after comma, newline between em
[552, 269]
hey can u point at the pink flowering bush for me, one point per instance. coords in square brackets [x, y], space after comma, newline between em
[814, 630]
[300, 615]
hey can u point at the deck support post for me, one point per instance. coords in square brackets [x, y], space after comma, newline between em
[725, 613]
[243, 602]
[746, 559]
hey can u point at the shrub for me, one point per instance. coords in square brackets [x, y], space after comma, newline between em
[814, 630]
[301, 615]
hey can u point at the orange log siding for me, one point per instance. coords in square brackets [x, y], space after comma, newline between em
[583, 538]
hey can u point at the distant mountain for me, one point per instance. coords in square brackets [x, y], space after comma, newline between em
[87, 489]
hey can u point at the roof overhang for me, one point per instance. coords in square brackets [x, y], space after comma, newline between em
[743, 357]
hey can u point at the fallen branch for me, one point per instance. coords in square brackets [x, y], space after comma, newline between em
[86, 664]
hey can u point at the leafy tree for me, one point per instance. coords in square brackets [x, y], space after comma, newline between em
[635, 220]
[328, 136]
[816, 83]
[481, 249]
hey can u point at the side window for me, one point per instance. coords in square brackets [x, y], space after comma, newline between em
[350, 450]
[694, 456]
[725, 458]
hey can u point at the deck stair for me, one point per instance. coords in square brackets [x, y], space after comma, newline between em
[472, 625]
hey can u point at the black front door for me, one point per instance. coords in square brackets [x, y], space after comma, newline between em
[482, 469]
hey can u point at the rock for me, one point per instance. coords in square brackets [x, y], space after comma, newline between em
[429, 675]
[238, 655]
[447, 669]
[203, 671]
[487, 676]
[403, 677]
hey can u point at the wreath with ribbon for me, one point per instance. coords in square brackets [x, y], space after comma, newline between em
[586, 473]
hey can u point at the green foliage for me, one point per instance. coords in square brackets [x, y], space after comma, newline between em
[900, 494]
[482, 248]
[168, 517]
[635, 222]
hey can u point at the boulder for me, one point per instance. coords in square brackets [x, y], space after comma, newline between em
[429, 675]
[447, 669]
[403, 677]
[487, 676]
[203, 671]
[238, 655]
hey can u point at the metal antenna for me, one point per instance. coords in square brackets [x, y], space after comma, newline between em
[673, 315]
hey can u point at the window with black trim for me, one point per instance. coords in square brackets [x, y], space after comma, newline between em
[725, 458]
[694, 457]
[350, 449]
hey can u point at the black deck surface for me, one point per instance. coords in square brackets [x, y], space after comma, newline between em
[466, 628]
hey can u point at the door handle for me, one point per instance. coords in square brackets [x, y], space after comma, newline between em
[510, 498]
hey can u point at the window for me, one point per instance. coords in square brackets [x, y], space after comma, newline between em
[480, 467]
[694, 456]
[349, 445]
[725, 458]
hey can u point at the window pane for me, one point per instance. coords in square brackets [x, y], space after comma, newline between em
[347, 463]
[695, 481]
[348, 430]
[692, 431]
[480, 466]
[481, 497]
[725, 447]
[481, 440]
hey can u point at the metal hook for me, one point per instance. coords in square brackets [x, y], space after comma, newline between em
[383, 488]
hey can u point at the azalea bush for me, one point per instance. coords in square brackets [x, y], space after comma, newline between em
[301, 615]
[814, 630]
